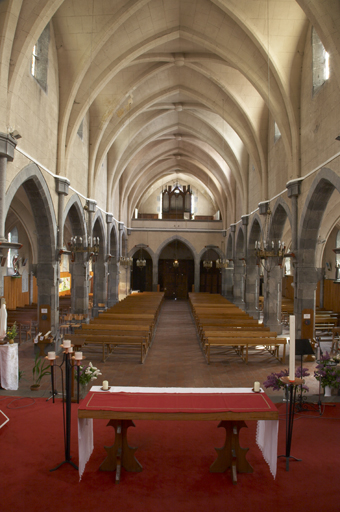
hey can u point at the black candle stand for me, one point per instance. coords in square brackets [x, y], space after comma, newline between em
[291, 387]
[67, 396]
[303, 347]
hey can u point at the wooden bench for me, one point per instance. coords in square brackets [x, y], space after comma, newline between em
[110, 341]
[241, 346]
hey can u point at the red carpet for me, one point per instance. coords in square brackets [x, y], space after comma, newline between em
[175, 456]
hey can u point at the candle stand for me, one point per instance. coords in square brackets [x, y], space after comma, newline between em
[291, 387]
[68, 358]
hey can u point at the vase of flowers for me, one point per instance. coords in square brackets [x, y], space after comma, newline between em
[87, 373]
[327, 373]
[274, 379]
[12, 333]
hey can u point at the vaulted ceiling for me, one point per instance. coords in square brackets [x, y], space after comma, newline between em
[177, 86]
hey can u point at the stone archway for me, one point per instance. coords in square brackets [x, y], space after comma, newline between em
[45, 263]
[176, 282]
[307, 274]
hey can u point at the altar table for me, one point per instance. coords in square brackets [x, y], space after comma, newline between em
[231, 406]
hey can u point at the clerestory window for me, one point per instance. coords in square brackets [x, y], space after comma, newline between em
[320, 62]
[39, 62]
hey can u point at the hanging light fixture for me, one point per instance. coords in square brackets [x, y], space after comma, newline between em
[141, 262]
[125, 261]
[222, 263]
[78, 245]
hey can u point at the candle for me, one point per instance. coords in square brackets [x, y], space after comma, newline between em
[66, 343]
[292, 348]
[78, 356]
[256, 387]
[51, 356]
[105, 384]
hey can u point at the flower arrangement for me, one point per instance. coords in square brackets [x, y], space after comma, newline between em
[12, 332]
[87, 373]
[274, 379]
[327, 373]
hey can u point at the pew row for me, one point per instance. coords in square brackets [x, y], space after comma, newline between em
[241, 346]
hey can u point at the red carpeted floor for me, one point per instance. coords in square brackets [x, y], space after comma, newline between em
[175, 456]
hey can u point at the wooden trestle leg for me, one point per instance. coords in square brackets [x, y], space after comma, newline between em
[231, 455]
[120, 454]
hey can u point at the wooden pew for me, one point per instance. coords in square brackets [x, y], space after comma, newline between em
[241, 345]
[111, 341]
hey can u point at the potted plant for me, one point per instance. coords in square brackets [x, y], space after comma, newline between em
[12, 333]
[327, 373]
[87, 373]
[40, 369]
[274, 379]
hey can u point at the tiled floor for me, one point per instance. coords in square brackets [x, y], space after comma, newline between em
[175, 359]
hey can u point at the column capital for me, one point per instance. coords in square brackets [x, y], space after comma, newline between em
[109, 218]
[245, 220]
[7, 146]
[294, 188]
[61, 185]
[233, 228]
[91, 205]
[263, 207]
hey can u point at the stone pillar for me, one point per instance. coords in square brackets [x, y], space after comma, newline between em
[7, 146]
[197, 275]
[112, 267]
[303, 278]
[80, 284]
[154, 274]
[240, 270]
[272, 298]
[229, 273]
[62, 187]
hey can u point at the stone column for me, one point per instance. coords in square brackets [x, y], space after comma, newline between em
[304, 280]
[62, 187]
[272, 286]
[154, 274]
[229, 272]
[240, 269]
[112, 267]
[197, 275]
[7, 146]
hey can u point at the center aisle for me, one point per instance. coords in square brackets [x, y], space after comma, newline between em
[175, 358]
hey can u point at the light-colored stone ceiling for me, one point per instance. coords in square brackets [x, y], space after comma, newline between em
[176, 84]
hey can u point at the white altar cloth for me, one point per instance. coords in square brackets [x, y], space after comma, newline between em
[9, 366]
[266, 437]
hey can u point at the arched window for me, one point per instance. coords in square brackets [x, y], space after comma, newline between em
[320, 62]
[39, 63]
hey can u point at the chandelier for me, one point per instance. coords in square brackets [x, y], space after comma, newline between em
[207, 264]
[78, 244]
[125, 261]
[222, 263]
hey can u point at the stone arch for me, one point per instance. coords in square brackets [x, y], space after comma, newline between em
[75, 211]
[281, 212]
[46, 268]
[143, 282]
[314, 208]
[307, 275]
[99, 266]
[191, 248]
[35, 186]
